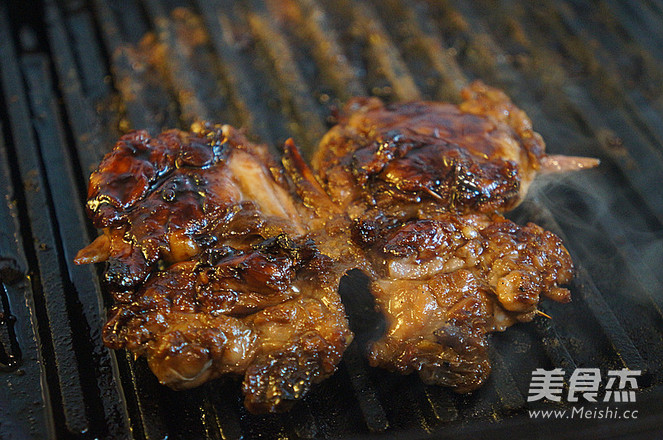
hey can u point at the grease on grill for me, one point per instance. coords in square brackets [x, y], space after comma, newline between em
[10, 352]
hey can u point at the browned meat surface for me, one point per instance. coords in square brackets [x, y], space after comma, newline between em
[424, 183]
[222, 261]
[445, 282]
[479, 156]
[212, 267]
[268, 311]
[163, 198]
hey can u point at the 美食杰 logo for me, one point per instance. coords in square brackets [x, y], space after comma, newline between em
[585, 383]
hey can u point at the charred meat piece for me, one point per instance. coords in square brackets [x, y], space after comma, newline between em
[213, 267]
[479, 156]
[269, 312]
[223, 261]
[444, 283]
[165, 198]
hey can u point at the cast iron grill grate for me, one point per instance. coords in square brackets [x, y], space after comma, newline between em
[75, 73]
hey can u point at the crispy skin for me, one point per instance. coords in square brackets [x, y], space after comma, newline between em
[477, 157]
[444, 283]
[212, 267]
[424, 183]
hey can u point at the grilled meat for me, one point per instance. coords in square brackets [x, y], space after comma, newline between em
[166, 198]
[445, 282]
[211, 265]
[479, 156]
[424, 183]
[224, 262]
[269, 311]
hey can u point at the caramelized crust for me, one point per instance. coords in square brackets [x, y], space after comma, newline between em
[269, 311]
[222, 261]
[211, 265]
[477, 157]
[164, 198]
[445, 282]
[424, 183]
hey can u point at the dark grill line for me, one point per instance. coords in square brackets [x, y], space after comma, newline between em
[599, 116]
[329, 54]
[242, 91]
[555, 349]
[16, 291]
[146, 402]
[374, 415]
[420, 27]
[611, 227]
[81, 288]
[190, 70]
[384, 53]
[638, 24]
[88, 54]
[505, 385]
[442, 404]
[221, 417]
[624, 247]
[64, 379]
[145, 102]
[90, 141]
[622, 344]
[293, 89]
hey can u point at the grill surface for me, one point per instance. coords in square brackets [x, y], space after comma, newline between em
[72, 76]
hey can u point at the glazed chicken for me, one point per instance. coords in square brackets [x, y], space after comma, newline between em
[480, 156]
[161, 198]
[445, 282]
[223, 261]
[425, 184]
[212, 267]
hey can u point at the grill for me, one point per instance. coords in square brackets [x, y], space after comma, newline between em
[73, 76]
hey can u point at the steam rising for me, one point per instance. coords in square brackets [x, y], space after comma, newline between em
[616, 238]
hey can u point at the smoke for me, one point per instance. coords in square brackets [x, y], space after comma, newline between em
[606, 229]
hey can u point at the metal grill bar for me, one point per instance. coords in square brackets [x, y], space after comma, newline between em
[384, 52]
[146, 103]
[89, 139]
[190, 69]
[419, 26]
[64, 376]
[615, 231]
[634, 20]
[49, 262]
[81, 290]
[17, 304]
[558, 354]
[610, 225]
[598, 115]
[623, 346]
[292, 86]
[374, 414]
[241, 89]
[328, 52]
[613, 227]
